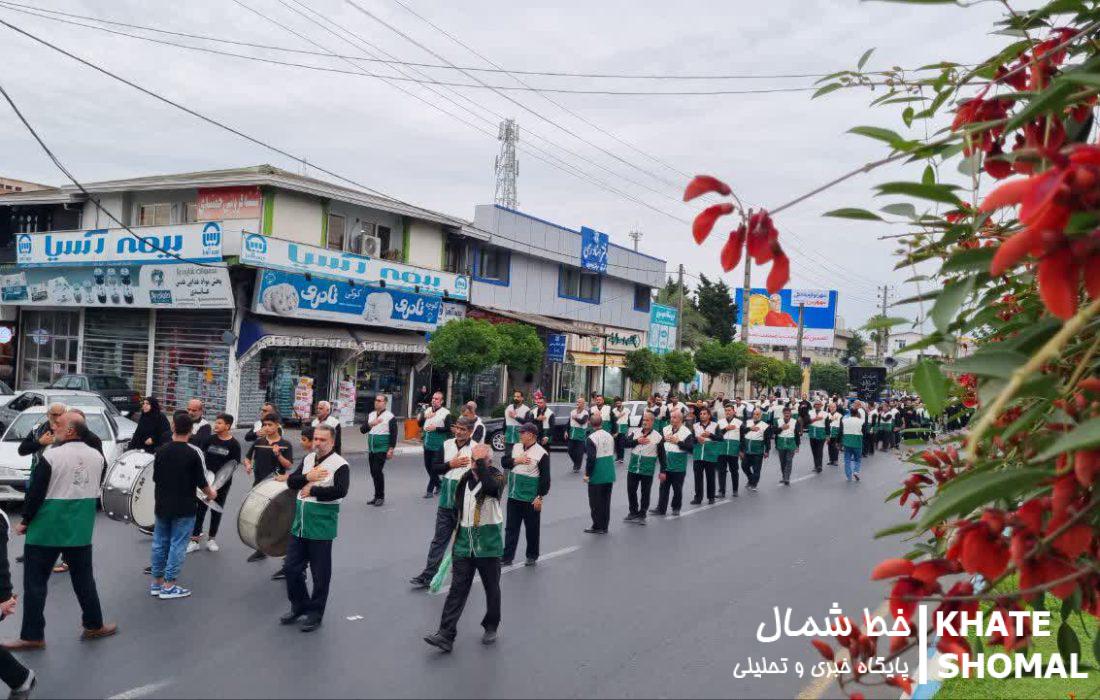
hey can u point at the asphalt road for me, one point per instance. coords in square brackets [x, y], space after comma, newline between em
[662, 610]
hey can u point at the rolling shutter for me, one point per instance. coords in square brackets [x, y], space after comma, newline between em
[191, 359]
[117, 343]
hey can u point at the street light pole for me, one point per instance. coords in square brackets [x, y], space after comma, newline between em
[680, 313]
[745, 318]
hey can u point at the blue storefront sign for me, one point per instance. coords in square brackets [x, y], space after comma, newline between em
[555, 347]
[287, 294]
[201, 242]
[593, 250]
[663, 321]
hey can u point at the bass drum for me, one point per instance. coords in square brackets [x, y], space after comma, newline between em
[143, 501]
[120, 481]
[266, 516]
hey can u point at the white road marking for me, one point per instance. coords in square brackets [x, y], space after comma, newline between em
[803, 478]
[698, 509]
[142, 690]
[353, 618]
[505, 569]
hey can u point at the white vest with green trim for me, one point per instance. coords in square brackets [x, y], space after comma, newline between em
[710, 450]
[817, 425]
[378, 437]
[577, 430]
[675, 456]
[852, 427]
[481, 528]
[513, 418]
[313, 519]
[643, 458]
[449, 481]
[543, 420]
[730, 431]
[433, 440]
[67, 517]
[603, 471]
[622, 420]
[754, 437]
[785, 440]
[523, 479]
[834, 423]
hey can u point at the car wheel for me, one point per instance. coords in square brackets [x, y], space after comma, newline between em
[497, 440]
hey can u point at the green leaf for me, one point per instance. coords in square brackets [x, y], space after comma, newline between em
[901, 209]
[863, 59]
[877, 322]
[1053, 99]
[895, 530]
[1068, 644]
[962, 497]
[930, 383]
[1071, 604]
[1096, 646]
[880, 134]
[948, 302]
[825, 90]
[990, 363]
[923, 296]
[1085, 436]
[971, 165]
[907, 115]
[969, 259]
[921, 190]
[929, 176]
[1081, 78]
[854, 213]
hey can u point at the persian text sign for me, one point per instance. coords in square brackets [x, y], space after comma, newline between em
[593, 250]
[773, 319]
[182, 286]
[153, 244]
[663, 321]
[279, 254]
[218, 203]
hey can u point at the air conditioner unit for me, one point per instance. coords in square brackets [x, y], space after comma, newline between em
[372, 246]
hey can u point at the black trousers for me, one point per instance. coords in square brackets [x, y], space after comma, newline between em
[817, 449]
[674, 481]
[445, 522]
[462, 579]
[377, 461]
[576, 453]
[432, 460]
[620, 446]
[521, 513]
[753, 465]
[599, 502]
[13, 673]
[38, 564]
[728, 463]
[215, 516]
[703, 470]
[834, 451]
[868, 444]
[317, 555]
[634, 484]
[786, 463]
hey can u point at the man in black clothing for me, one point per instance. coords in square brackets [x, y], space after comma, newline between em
[268, 409]
[200, 427]
[18, 677]
[381, 432]
[37, 440]
[435, 421]
[270, 454]
[218, 450]
[528, 468]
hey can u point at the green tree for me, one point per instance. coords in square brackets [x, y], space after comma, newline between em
[766, 372]
[521, 349]
[857, 346]
[791, 373]
[693, 324]
[677, 367]
[465, 346]
[830, 377]
[715, 304]
[643, 366]
[716, 359]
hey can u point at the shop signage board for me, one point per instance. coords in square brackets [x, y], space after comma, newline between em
[278, 254]
[867, 382]
[662, 328]
[555, 347]
[179, 286]
[219, 203]
[288, 295]
[773, 318]
[625, 340]
[345, 403]
[594, 247]
[594, 359]
[303, 398]
[201, 242]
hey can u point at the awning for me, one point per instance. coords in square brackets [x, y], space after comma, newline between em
[552, 324]
[597, 359]
[259, 333]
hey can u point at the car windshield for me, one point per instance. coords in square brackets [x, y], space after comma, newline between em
[81, 400]
[106, 382]
[26, 422]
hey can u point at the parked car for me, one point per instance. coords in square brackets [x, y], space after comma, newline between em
[559, 435]
[112, 387]
[15, 469]
[83, 400]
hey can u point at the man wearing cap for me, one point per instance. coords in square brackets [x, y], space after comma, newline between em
[818, 429]
[527, 465]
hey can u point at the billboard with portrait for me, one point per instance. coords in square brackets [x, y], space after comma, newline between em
[773, 318]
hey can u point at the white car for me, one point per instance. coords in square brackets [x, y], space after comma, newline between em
[11, 407]
[15, 469]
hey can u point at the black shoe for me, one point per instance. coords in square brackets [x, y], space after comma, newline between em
[279, 575]
[257, 556]
[440, 642]
[721, 494]
[640, 520]
[489, 637]
[817, 470]
[531, 562]
[654, 511]
[856, 475]
[148, 571]
[733, 495]
[576, 470]
[786, 482]
[631, 517]
[695, 501]
[377, 502]
[289, 618]
[676, 513]
[591, 531]
[310, 623]
[505, 562]
[17, 694]
[419, 582]
[710, 501]
[429, 494]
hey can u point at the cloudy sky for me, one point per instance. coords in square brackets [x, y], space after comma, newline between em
[769, 147]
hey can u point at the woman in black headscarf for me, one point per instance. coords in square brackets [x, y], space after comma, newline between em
[152, 427]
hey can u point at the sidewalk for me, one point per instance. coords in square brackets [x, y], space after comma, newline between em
[354, 442]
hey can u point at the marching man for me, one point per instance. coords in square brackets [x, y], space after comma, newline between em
[578, 432]
[436, 422]
[514, 416]
[754, 437]
[646, 452]
[729, 431]
[381, 432]
[469, 409]
[833, 422]
[678, 441]
[621, 417]
[544, 419]
[528, 469]
[708, 444]
[599, 474]
[324, 417]
[818, 430]
[788, 438]
[851, 436]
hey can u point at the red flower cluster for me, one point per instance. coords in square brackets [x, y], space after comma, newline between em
[1047, 201]
[757, 236]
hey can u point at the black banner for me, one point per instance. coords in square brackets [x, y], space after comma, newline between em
[867, 382]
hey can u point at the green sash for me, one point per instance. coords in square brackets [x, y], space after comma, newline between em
[817, 432]
[731, 446]
[642, 465]
[315, 521]
[604, 471]
[677, 461]
[379, 443]
[522, 487]
[447, 489]
[578, 433]
[511, 434]
[754, 447]
[850, 440]
[785, 443]
[886, 427]
[434, 441]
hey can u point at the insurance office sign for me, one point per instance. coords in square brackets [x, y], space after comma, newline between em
[198, 243]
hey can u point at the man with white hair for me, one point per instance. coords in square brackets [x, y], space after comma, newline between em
[201, 430]
[469, 409]
[324, 417]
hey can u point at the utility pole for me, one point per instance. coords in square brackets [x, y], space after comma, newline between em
[680, 313]
[745, 293]
[635, 236]
[507, 167]
[805, 387]
[884, 332]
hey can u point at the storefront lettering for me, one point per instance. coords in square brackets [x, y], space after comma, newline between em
[165, 245]
[336, 263]
[631, 341]
[411, 277]
[56, 248]
[316, 297]
[404, 309]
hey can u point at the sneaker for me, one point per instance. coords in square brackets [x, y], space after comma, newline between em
[676, 513]
[440, 642]
[27, 689]
[193, 546]
[531, 562]
[154, 589]
[148, 571]
[174, 591]
[655, 511]
[489, 637]
[630, 518]
[428, 494]
[695, 501]
[419, 582]
[856, 476]
[377, 502]
[212, 546]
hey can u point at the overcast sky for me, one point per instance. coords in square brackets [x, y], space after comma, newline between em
[769, 147]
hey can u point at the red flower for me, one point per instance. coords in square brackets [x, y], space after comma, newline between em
[731, 251]
[892, 568]
[1086, 464]
[780, 274]
[703, 184]
[704, 222]
[823, 649]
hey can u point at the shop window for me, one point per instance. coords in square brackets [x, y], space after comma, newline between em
[191, 358]
[493, 265]
[642, 297]
[280, 372]
[455, 256]
[574, 283]
[49, 343]
[384, 237]
[116, 350]
[337, 223]
[155, 214]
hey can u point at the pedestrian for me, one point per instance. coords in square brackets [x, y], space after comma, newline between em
[544, 419]
[718, 407]
[381, 432]
[620, 424]
[708, 445]
[528, 470]
[265, 410]
[20, 679]
[646, 452]
[324, 416]
[220, 449]
[852, 437]
[270, 455]
[578, 432]
[33, 443]
[515, 415]
[58, 520]
[178, 470]
[660, 414]
[469, 409]
[599, 474]
[818, 429]
[755, 434]
[435, 421]
[678, 441]
[478, 546]
[322, 482]
[729, 432]
[200, 427]
[599, 406]
[152, 430]
[832, 421]
[455, 460]
[788, 439]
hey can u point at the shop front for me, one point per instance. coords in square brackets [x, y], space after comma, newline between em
[595, 363]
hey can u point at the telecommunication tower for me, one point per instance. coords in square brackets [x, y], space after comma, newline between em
[507, 167]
